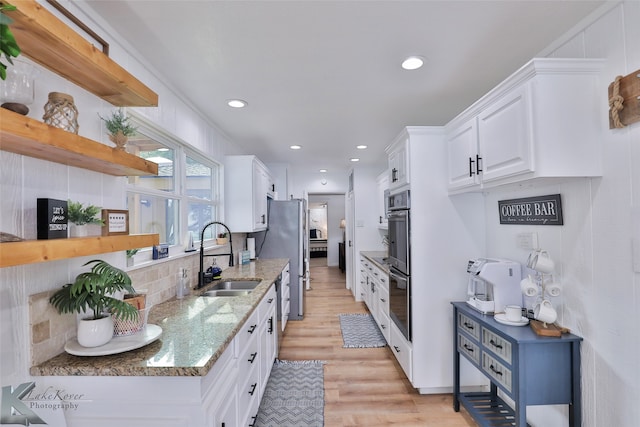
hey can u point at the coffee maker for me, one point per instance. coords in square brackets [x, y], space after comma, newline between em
[493, 284]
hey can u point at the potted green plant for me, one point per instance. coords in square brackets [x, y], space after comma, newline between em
[8, 45]
[119, 128]
[81, 216]
[222, 239]
[92, 293]
[130, 254]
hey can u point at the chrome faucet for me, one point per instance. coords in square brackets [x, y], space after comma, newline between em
[201, 281]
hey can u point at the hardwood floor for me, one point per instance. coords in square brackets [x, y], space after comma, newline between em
[363, 387]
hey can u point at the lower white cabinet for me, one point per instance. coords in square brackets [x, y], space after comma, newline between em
[401, 348]
[268, 314]
[285, 296]
[375, 294]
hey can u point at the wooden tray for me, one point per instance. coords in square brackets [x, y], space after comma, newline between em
[551, 330]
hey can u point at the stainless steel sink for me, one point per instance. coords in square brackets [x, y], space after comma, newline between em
[231, 288]
[236, 284]
[226, 293]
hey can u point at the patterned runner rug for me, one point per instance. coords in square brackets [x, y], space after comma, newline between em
[294, 395]
[360, 331]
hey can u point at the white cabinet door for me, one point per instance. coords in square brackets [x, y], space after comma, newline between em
[462, 150]
[245, 191]
[401, 348]
[285, 296]
[399, 163]
[268, 336]
[260, 185]
[505, 136]
[383, 186]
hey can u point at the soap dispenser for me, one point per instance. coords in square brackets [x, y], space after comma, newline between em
[215, 270]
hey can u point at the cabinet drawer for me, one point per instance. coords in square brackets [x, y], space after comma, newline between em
[268, 301]
[401, 348]
[496, 344]
[496, 370]
[249, 356]
[248, 331]
[383, 323]
[469, 326]
[469, 349]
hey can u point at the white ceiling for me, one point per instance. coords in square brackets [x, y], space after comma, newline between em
[326, 74]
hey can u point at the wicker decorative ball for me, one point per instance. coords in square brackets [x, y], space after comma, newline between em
[61, 112]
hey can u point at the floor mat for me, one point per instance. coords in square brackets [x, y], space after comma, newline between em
[360, 331]
[294, 395]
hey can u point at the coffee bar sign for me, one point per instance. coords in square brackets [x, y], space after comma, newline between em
[540, 210]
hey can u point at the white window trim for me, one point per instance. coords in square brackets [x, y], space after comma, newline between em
[182, 149]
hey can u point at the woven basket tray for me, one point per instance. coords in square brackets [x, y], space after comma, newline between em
[123, 328]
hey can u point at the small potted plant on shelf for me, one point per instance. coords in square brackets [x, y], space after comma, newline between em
[130, 254]
[81, 217]
[222, 239]
[91, 294]
[119, 128]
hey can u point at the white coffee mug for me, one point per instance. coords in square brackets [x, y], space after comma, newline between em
[541, 262]
[553, 289]
[528, 287]
[545, 312]
[513, 313]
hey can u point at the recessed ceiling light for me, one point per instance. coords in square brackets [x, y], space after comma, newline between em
[295, 147]
[163, 149]
[323, 170]
[237, 103]
[413, 63]
[361, 147]
[354, 159]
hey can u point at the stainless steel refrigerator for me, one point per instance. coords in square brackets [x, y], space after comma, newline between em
[286, 237]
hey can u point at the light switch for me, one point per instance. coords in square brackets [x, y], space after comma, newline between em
[527, 241]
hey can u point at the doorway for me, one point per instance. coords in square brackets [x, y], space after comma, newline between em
[326, 212]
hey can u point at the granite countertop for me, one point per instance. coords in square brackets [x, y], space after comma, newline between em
[375, 256]
[195, 332]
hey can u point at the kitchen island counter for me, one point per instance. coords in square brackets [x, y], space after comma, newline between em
[195, 332]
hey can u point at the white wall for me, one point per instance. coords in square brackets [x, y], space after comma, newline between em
[593, 249]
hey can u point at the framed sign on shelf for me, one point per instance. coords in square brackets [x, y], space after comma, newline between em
[116, 222]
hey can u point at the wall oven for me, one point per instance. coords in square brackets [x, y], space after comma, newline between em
[399, 226]
[399, 231]
[400, 301]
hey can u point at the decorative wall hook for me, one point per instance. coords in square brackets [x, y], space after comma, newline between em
[624, 100]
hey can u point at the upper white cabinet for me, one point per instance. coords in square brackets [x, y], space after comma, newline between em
[541, 122]
[383, 185]
[398, 152]
[247, 183]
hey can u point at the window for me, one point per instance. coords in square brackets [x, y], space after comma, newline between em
[181, 199]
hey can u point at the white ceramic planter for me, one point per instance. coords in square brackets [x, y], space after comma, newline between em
[78, 230]
[94, 333]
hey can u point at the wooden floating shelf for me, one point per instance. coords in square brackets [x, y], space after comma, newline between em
[51, 43]
[35, 251]
[23, 135]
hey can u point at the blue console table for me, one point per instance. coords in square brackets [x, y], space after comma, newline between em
[530, 369]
